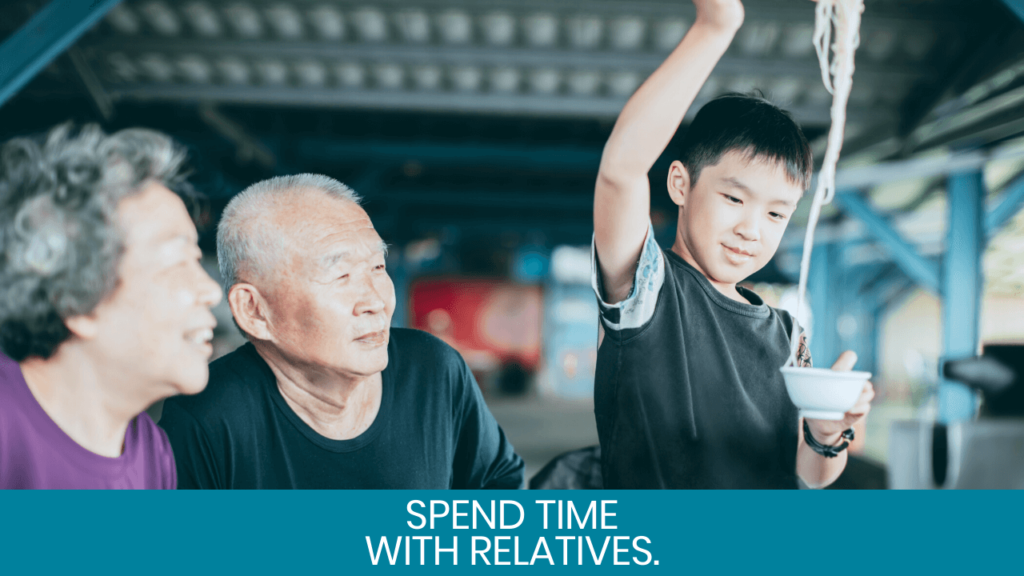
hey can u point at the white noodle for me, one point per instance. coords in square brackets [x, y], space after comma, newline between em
[844, 15]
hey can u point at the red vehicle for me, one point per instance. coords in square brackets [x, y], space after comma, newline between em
[494, 324]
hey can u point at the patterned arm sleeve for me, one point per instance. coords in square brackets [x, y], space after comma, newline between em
[803, 353]
[638, 307]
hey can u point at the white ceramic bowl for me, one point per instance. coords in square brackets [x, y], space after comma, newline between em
[823, 394]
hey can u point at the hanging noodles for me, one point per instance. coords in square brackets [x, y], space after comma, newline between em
[844, 17]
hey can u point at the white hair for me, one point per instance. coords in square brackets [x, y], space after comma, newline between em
[245, 239]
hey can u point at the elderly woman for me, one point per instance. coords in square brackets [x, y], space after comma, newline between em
[104, 309]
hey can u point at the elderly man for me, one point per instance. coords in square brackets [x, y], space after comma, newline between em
[326, 394]
[104, 309]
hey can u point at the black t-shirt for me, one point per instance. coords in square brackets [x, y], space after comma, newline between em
[433, 429]
[688, 392]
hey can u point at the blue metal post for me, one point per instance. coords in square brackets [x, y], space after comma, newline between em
[1009, 204]
[849, 317]
[48, 33]
[841, 302]
[865, 347]
[1017, 7]
[824, 290]
[962, 282]
[919, 268]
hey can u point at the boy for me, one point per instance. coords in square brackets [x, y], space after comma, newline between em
[688, 392]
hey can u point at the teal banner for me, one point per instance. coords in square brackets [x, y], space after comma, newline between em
[551, 532]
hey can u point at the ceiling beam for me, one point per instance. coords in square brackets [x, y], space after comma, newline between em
[46, 35]
[770, 66]
[420, 198]
[869, 176]
[1009, 204]
[954, 82]
[486, 103]
[919, 268]
[555, 158]
[1017, 7]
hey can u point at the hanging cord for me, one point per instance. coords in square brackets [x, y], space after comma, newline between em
[844, 16]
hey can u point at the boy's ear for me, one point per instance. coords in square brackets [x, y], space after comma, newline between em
[678, 183]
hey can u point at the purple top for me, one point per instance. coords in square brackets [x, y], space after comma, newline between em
[36, 453]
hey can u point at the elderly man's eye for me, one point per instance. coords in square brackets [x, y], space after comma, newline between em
[379, 267]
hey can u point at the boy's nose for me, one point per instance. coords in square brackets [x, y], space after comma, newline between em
[748, 229]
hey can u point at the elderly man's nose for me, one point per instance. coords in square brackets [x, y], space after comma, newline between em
[370, 300]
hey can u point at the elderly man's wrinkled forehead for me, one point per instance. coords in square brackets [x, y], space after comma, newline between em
[307, 207]
[314, 225]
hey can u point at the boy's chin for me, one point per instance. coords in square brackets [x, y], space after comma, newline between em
[728, 274]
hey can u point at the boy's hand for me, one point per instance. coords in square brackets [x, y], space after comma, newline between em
[622, 193]
[719, 14]
[828, 431]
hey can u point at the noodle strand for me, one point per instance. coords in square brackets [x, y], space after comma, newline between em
[837, 75]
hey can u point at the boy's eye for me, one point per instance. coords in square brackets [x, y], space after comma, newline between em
[732, 199]
[777, 216]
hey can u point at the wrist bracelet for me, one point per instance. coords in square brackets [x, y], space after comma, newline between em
[826, 451]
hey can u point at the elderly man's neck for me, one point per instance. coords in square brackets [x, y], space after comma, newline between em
[336, 406]
[92, 403]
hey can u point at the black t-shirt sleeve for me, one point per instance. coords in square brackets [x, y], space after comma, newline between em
[484, 458]
[194, 456]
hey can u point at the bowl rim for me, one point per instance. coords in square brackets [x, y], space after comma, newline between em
[819, 372]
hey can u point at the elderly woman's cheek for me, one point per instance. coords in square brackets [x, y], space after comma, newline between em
[185, 297]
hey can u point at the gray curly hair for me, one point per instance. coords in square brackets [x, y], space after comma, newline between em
[59, 240]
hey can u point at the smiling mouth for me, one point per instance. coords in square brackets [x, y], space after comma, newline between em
[200, 337]
[738, 252]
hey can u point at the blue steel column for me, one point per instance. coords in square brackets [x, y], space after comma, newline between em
[919, 268]
[962, 284]
[49, 32]
[822, 287]
[861, 313]
[841, 302]
[1017, 7]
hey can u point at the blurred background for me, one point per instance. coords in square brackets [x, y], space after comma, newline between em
[474, 130]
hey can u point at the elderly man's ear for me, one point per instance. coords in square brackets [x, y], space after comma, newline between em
[249, 310]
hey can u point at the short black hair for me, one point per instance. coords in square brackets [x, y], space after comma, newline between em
[751, 124]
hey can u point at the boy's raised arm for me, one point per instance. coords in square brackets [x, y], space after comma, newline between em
[644, 128]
